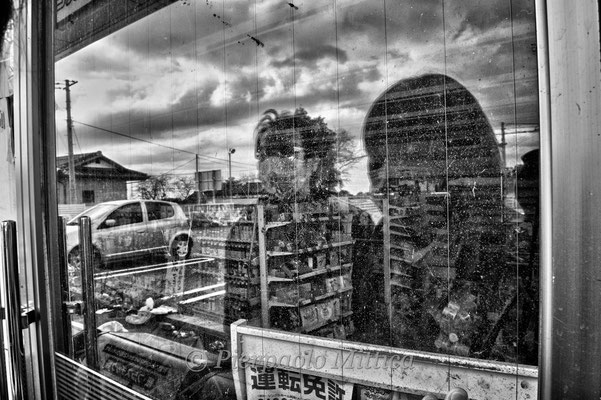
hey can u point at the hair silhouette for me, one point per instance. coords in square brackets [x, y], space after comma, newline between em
[428, 127]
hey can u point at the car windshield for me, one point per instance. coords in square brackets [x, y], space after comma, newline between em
[93, 212]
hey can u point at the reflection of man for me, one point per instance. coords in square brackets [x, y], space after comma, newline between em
[297, 166]
[296, 156]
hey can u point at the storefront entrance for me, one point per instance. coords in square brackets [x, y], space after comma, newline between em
[307, 200]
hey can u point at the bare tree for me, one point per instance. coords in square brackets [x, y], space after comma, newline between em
[155, 188]
[183, 187]
[347, 153]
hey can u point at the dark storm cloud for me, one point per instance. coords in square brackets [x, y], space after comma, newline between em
[416, 20]
[399, 57]
[421, 21]
[105, 67]
[163, 122]
[159, 152]
[483, 18]
[189, 115]
[125, 91]
[309, 56]
[178, 25]
[202, 44]
[194, 111]
[349, 84]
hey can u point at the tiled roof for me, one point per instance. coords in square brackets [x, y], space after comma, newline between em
[79, 160]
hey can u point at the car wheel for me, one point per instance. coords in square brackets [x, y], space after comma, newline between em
[181, 248]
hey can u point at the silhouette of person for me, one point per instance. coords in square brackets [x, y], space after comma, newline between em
[448, 237]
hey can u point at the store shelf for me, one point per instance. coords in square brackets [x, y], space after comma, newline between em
[406, 275]
[271, 279]
[397, 284]
[194, 291]
[322, 324]
[308, 275]
[308, 249]
[307, 218]
[224, 257]
[402, 234]
[309, 301]
[203, 297]
[252, 301]
[198, 323]
[272, 225]
[224, 240]
[337, 224]
[302, 219]
[232, 222]
[250, 281]
[400, 259]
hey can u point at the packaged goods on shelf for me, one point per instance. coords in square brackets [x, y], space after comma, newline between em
[306, 283]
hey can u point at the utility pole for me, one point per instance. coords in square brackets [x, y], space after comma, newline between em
[197, 182]
[503, 145]
[229, 154]
[72, 183]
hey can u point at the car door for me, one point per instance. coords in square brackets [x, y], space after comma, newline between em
[161, 224]
[119, 235]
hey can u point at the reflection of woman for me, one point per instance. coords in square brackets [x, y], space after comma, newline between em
[370, 317]
[430, 130]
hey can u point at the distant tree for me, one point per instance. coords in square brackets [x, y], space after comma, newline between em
[347, 153]
[182, 187]
[243, 186]
[246, 178]
[155, 188]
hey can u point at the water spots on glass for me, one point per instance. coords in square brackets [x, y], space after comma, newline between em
[383, 190]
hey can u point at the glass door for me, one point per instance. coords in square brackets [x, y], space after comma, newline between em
[358, 174]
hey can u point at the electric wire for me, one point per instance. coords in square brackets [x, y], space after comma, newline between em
[210, 158]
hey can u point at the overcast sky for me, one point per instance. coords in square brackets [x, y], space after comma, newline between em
[197, 75]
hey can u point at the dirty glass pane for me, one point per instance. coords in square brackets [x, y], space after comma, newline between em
[359, 171]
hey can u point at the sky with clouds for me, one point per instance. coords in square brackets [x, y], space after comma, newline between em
[195, 77]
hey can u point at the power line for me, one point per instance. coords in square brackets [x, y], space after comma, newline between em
[76, 140]
[178, 167]
[160, 145]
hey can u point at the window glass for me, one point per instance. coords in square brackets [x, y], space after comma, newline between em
[158, 210]
[361, 171]
[92, 212]
[87, 196]
[126, 215]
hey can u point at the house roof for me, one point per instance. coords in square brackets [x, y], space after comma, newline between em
[113, 170]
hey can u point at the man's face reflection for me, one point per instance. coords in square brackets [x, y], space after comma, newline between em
[286, 176]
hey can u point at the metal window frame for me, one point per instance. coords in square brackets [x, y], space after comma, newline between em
[559, 42]
[35, 190]
[570, 100]
[546, 210]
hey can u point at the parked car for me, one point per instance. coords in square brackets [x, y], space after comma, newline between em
[127, 229]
